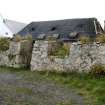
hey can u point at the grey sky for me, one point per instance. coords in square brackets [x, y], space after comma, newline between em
[40, 10]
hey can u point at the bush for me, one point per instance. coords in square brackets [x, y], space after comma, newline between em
[17, 38]
[85, 40]
[97, 69]
[11, 56]
[50, 38]
[28, 37]
[58, 49]
[4, 44]
[101, 38]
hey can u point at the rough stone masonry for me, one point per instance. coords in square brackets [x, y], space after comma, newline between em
[13, 56]
[81, 57]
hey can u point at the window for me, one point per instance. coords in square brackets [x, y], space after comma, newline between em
[6, 33]
[3, 20]
[53, 28]
[32, 29]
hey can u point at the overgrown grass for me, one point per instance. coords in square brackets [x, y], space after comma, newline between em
[92, 87]
[11, 69]
[58, 49]
[23, 90]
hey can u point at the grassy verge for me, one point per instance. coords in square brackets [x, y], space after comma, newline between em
[90, 86]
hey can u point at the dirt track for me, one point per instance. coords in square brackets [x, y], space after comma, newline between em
[15, 89]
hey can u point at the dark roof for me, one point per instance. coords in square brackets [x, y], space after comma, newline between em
[84, 26]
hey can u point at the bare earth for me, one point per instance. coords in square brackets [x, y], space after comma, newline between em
[19, 89]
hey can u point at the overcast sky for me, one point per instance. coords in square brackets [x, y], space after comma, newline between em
[41, 10]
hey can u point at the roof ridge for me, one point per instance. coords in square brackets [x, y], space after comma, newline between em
[65, 19]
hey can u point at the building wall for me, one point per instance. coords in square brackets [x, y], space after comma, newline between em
[81, 57]
[13, 56]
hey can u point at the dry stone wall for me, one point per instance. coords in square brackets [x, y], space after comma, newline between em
[81, 57]
[13, 56]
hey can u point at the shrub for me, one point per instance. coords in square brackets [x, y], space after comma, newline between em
[25, 52]
[85, 40]
[4, 44]
[58, 49]
[28, 37]
[97, 69]
[11, 56]
[50, 38]
[101, 38]
[17, 38]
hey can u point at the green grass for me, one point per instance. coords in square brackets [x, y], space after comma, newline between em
[69, 103]
[23, 90]
[92, 87]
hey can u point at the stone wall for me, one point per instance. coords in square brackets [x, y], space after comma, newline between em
[13, 56]
[81, 57]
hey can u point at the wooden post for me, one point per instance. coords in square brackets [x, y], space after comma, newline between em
[95, 27]
[104, 25]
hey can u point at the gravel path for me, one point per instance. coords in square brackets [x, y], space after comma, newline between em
[16, 90]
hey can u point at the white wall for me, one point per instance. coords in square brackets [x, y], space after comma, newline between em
[4, 30]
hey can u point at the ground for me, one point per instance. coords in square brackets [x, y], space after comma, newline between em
[30, 88]
[23, 87]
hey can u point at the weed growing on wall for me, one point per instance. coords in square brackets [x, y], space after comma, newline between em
[85, 40]
[11, 56]
[97, 69]
[4, 44]
[17, 38]
[58, 49]
[101, 38]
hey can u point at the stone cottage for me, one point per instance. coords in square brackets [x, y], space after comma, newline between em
[56, 55]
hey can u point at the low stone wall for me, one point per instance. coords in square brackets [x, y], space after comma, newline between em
[81, 57]
[13, 56]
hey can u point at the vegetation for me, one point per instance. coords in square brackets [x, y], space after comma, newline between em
[18, 38]
[101, 38]
[11, 56]
[58, 49]
[25, 52]
[4, 44]
[85, 40]
[97, 69]
[50, 38]
[23, 90]
[27, 37]
[87, 85]
[67, 103]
